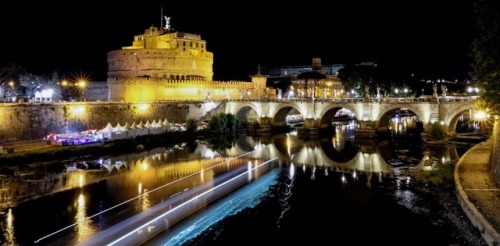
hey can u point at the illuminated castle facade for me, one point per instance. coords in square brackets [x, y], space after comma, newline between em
[166, 65]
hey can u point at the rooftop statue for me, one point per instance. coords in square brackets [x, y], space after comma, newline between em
[167, 23]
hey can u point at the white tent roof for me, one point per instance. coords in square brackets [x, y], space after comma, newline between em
[133, 126]
[141, 125]
[126, 126]
[107, 128]
[118, 128]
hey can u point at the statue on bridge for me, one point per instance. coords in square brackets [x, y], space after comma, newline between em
[367, 92]
[435, 89]
[443, 90]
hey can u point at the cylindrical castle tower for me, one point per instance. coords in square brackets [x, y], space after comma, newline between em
[158, 54]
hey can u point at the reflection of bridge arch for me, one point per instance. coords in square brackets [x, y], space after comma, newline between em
[315, 155]
[364, 162]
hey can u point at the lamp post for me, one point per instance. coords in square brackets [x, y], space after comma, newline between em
[12, 92]
[82, 84]
[64, 91]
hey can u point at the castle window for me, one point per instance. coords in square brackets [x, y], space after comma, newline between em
[184, 43]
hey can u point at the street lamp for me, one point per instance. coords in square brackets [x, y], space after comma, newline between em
[396, 91]
[12, 91]
[82, 84]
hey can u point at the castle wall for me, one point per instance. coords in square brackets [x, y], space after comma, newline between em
[168, 64]
[153, 89]
[26, 121]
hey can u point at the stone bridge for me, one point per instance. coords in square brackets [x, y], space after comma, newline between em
[371, 114]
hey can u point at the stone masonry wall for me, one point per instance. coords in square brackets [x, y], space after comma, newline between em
[24, 121]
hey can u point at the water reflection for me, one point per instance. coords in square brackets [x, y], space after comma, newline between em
[9, 230]
[83, 226]
[143, 201]
[151, 177]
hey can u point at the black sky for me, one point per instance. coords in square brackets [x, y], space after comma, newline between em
[428, 38]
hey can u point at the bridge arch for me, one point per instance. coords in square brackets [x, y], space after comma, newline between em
[328, 112]
[279, 114]
[452, 120]
[390, 111]
[247, 113]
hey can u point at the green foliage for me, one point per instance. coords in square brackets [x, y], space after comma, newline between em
[221, 143]
[191, 127]
[486, 52]
[224, 123]
[437, 131]
[441, 176]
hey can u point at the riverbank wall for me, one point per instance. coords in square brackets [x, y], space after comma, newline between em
[30, 121]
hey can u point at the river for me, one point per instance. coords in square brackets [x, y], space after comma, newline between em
[328, 190]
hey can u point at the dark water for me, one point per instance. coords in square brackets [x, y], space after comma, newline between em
[330, 190]
[334, 208]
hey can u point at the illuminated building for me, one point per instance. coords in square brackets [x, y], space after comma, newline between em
[287, 78]
[165, 65]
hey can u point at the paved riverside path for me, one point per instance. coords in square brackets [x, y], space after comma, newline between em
[477, 191]
[27, 145]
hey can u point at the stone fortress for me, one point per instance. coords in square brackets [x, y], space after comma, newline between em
[162, 64]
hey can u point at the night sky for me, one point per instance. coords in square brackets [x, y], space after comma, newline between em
[429, 39]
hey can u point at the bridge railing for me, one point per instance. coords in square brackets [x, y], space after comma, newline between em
[362, 100]
[304, 100]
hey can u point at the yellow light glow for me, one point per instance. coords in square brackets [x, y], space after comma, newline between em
[143, 107]
[82, 83]
[77, 110]
[480, 115]
[81, 180]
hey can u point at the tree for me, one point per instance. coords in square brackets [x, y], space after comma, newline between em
[357, 77]
[9, 71]
[437, 131]
[223, 123]
[31, 83]
[191, 126]
[486, 52]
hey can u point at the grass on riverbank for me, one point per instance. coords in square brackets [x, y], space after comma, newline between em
[441, 176]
